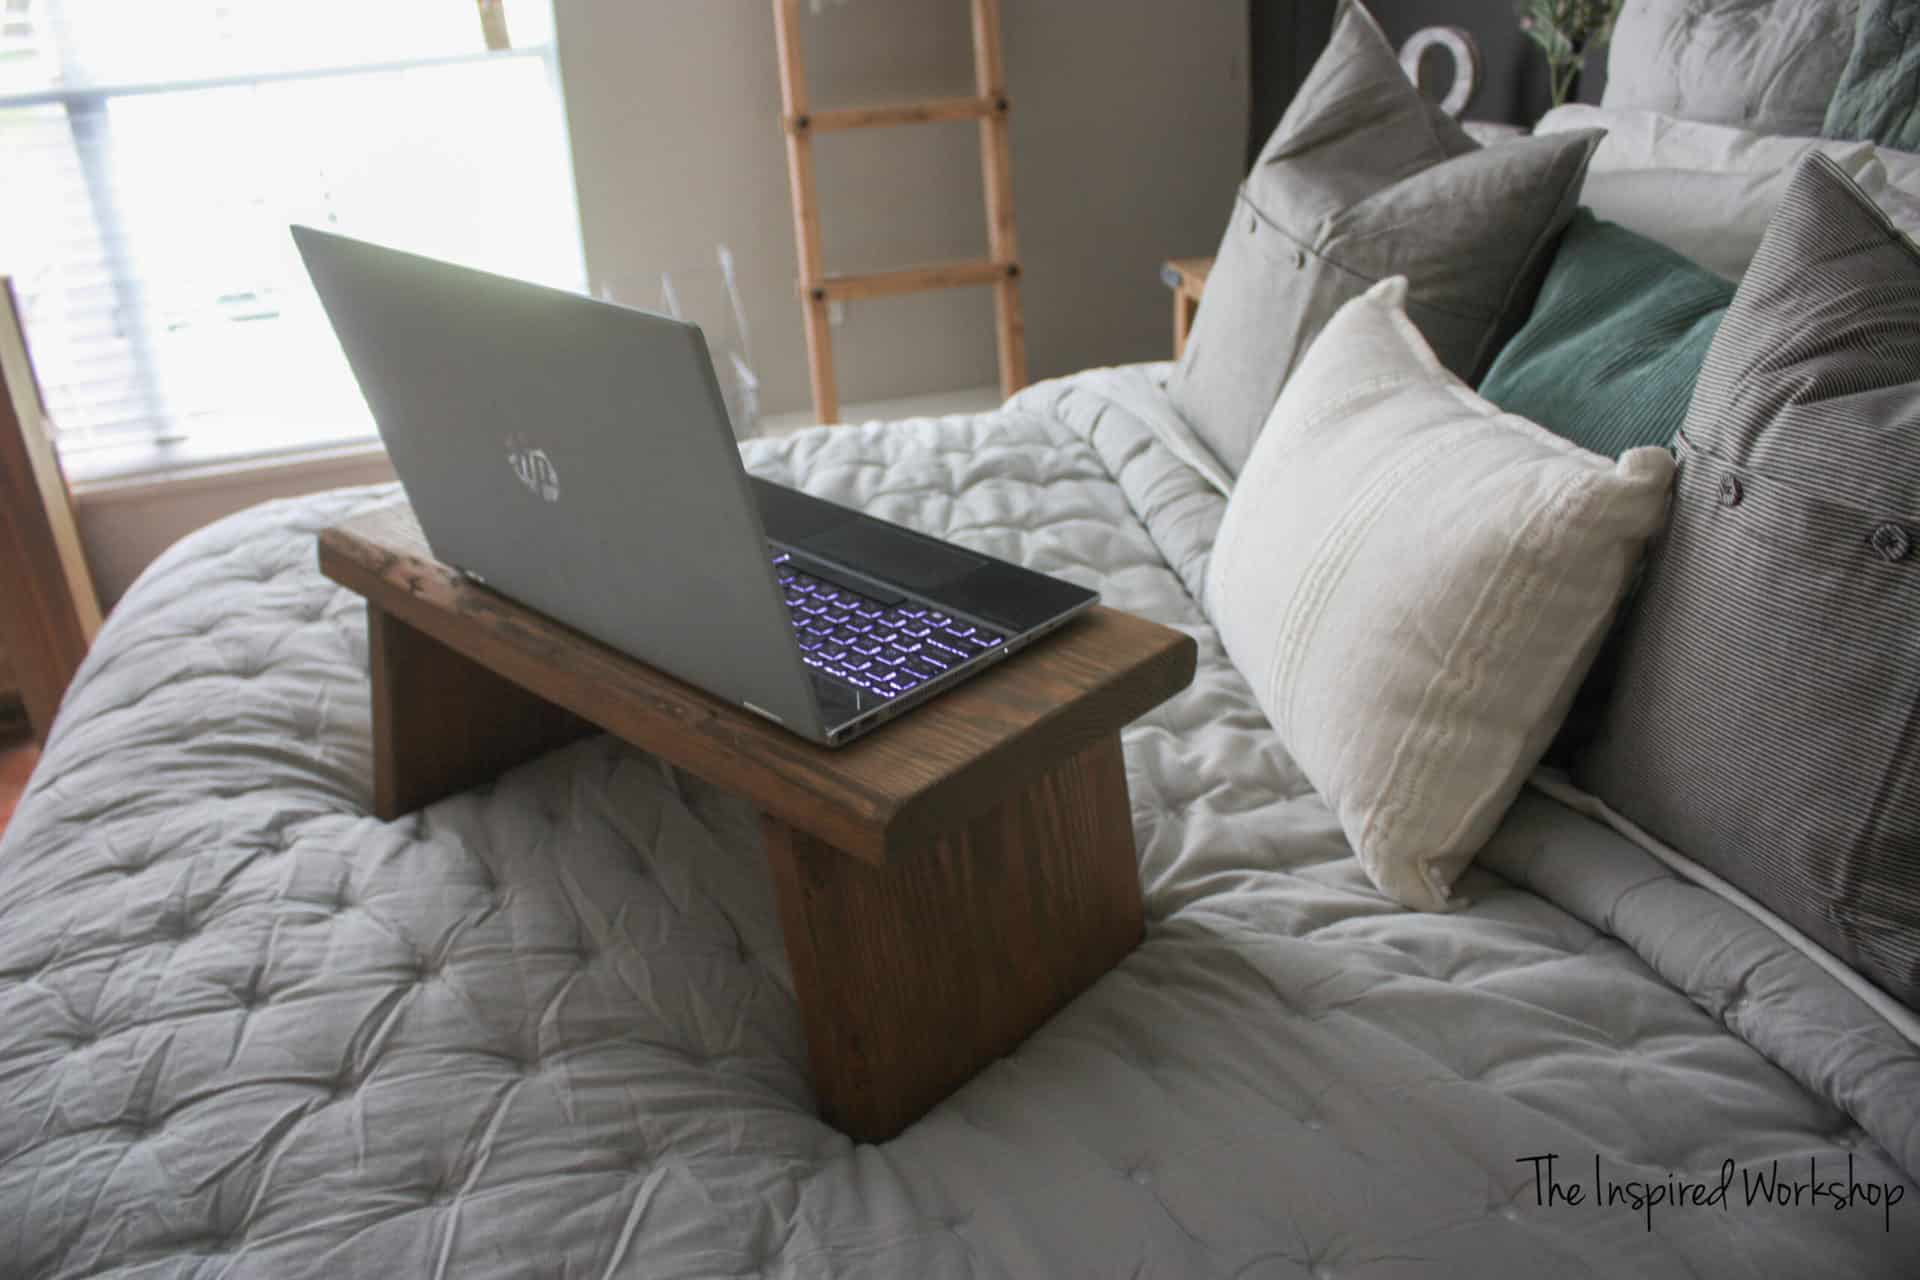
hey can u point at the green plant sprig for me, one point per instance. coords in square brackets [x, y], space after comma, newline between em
[1566, 31]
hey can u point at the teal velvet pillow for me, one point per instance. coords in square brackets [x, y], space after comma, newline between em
[1878, 98]
[1609, 356]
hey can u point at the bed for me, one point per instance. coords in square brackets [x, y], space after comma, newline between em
[545, 1028]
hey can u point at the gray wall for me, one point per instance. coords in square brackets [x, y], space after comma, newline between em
[1287, 34]
[1129, 123]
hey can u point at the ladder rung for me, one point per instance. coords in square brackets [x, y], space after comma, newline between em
[945, 275]
[900, 113]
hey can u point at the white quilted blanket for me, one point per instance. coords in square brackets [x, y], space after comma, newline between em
[545, 1029]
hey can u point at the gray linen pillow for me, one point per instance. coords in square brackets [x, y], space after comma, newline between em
[1769, 66]
[1365, 179]
[1766, 717]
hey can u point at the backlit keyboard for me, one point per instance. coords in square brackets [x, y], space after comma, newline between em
[885, 650]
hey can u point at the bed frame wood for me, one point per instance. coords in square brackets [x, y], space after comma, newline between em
[51, 611]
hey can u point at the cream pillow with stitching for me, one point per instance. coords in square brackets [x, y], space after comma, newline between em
[1415, 583]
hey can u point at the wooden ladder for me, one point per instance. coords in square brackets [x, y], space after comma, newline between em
[1000, 268]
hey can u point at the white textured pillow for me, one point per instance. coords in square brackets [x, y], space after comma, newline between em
[1709, 190]
[1415, 583]
[1649, 140]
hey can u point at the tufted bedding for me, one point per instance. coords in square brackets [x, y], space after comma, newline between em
[545, 1028]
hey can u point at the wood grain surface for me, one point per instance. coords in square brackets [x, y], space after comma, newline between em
[1001, 268]
[49, 612]
[996, 172]
[945, 884]
[894, 789]
[803, 190]
[913, 977]
[929, 111]
[442, 723]
[940, 275]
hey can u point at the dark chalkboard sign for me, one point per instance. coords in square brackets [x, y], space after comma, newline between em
[1287, 35]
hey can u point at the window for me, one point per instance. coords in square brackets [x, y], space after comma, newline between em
[152, 155]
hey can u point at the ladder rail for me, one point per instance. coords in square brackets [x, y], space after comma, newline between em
[1000, 269]
[930, 111]
[806, 215]
[996, 167]
[941, 275]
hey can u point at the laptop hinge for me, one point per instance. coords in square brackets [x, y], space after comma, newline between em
[761, 711]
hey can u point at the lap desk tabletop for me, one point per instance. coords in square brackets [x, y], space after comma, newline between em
[945, 884]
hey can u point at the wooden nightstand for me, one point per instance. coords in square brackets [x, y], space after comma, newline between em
[1187, 277]
[945, 884]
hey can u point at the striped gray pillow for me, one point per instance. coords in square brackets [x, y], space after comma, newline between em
[1766, 721]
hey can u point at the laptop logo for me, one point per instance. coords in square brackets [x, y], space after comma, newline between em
[534, 468]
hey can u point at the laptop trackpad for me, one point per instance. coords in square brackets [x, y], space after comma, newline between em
[895, 555]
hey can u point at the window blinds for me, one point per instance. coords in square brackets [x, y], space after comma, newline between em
[153, 154]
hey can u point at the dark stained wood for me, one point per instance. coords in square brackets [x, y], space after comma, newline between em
[914, 976]
[49, 612]
[945, 884]
[894, 789]
[17, 759]
[443, 723]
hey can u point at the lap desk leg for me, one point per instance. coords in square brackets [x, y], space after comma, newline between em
[442, 723]
[914, 975]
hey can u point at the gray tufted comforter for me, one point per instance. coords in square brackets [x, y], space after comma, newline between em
[545, 1028]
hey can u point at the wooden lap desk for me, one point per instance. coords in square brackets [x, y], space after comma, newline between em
[945, 884]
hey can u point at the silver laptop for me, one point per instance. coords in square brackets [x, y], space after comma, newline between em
[577, 456]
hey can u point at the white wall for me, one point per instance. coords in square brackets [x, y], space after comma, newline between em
[1129, 123]
[125, 524]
